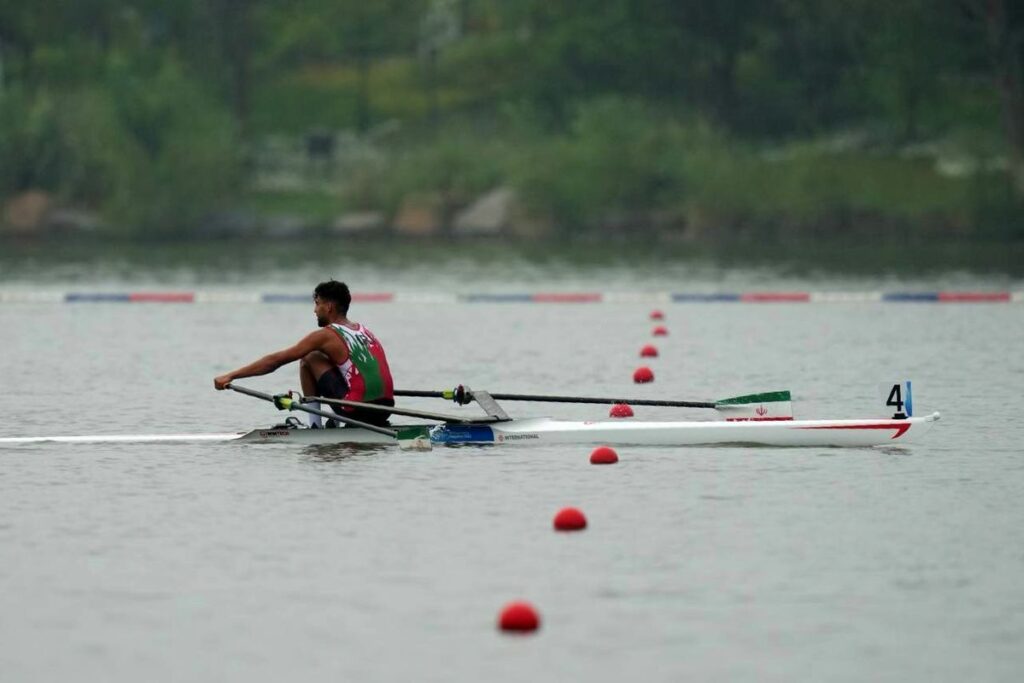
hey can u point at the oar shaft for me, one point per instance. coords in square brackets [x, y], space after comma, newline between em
[564, 399]
[585, 399]
[316, 411]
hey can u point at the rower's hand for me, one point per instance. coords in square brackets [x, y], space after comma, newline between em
[221, 383]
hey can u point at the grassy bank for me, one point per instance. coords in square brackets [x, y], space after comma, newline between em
[159, 164]
[621, 165]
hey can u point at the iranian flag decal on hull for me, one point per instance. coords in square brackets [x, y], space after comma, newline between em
[767, 406]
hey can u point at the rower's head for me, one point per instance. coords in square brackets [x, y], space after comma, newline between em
[330, 300]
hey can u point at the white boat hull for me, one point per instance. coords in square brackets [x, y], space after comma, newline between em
[626, 432]
[548, 431]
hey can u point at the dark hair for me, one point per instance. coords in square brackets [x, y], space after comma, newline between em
[335, 292]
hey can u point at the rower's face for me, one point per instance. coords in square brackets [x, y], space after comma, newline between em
[322, 310]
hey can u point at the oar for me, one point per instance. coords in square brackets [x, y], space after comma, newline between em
[463, 396]
[289, 404]
[735, 405]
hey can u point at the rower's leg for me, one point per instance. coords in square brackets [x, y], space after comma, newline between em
[311, 366]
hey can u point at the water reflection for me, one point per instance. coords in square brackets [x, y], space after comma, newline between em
[903, 451]
[342, 451]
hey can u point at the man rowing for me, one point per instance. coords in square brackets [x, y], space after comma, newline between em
[342, 359]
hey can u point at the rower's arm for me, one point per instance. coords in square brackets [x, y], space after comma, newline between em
[272, 361]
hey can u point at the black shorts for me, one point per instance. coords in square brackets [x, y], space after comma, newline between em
[331, 384]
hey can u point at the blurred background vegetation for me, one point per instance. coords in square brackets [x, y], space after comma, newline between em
[774, 120]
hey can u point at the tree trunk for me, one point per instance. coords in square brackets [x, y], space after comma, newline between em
[235, 34]
[724, 85]
[911, 96]
[363, 92]
[1006, 45]
[432, 86]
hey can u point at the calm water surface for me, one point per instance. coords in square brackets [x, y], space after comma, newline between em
[266, 563]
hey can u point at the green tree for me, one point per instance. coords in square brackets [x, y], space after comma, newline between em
[352, 31]
[1002, 24]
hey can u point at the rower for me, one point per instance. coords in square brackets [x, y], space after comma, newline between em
[342, 359]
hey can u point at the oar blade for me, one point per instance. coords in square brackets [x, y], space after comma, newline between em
[414, 438]
[767, 405]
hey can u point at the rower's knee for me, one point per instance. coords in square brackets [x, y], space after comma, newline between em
[314, 361]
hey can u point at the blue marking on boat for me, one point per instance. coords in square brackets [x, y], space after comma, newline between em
[908, 401]
[451, 433]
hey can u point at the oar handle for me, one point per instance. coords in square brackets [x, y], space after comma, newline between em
[563, 399]
[296, 405]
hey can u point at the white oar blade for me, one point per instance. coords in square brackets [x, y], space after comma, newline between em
[769, 405]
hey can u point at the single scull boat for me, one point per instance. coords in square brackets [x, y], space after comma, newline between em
[758, 419]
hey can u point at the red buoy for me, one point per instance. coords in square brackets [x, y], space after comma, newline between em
[643, 375]
[657, 315]
[620, 410]
[660, 331]
[649, 351]
[603, 455]
[569, 519]
[518, 616]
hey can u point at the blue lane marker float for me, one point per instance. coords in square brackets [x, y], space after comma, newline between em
[96, 297]
[911, 296]
[704, 298]
[496, 298]
[286, 298]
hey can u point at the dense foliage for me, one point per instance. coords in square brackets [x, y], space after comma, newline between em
[729, 112]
